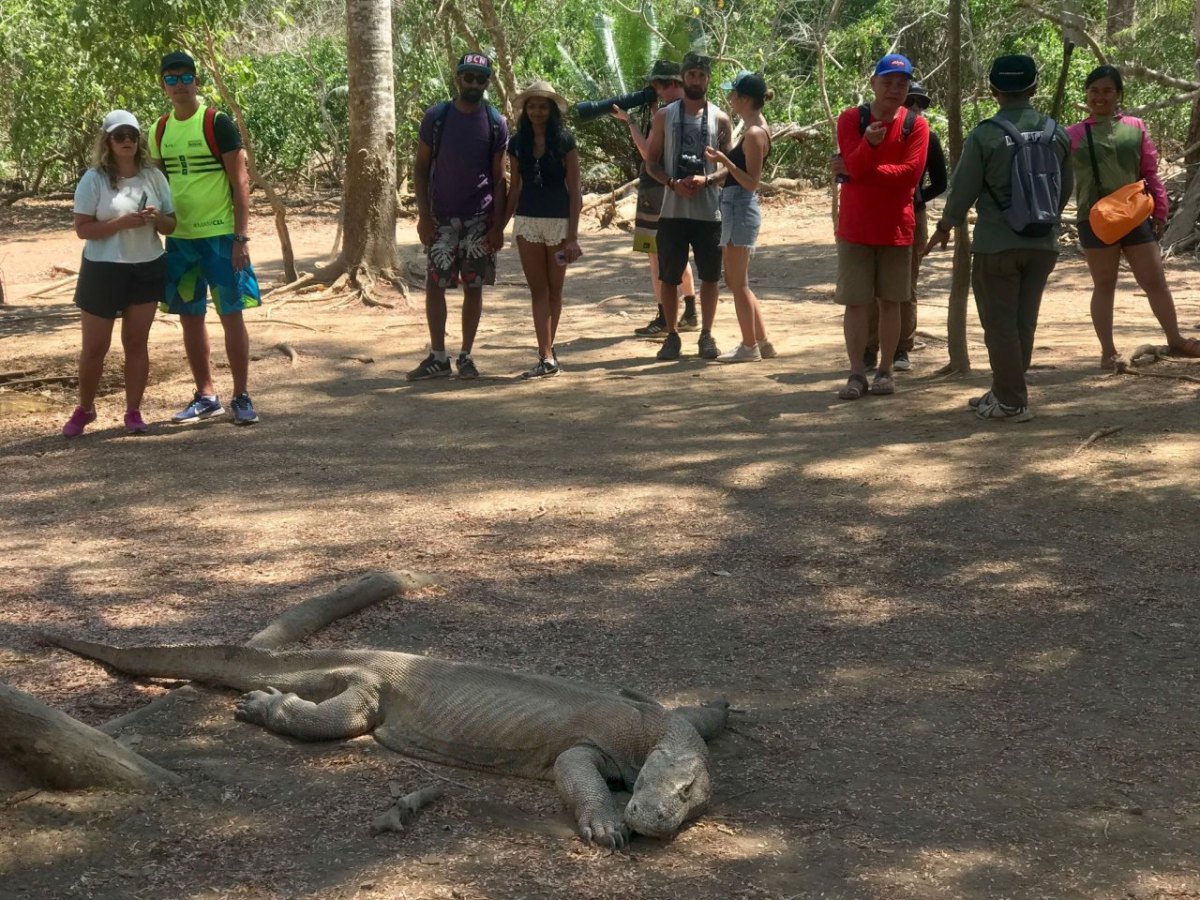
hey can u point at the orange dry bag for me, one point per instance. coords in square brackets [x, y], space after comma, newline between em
[1115, 215]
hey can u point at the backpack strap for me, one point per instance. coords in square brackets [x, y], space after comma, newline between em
[910, 122]
[1017, 138]
[864, 118]
[1092, 153]
[159, 130]
[439, 121]
[494, 121]
[210, 134]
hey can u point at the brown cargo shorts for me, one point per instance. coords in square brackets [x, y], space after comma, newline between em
[868, 273]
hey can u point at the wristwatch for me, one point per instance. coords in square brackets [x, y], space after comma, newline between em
[241, 238]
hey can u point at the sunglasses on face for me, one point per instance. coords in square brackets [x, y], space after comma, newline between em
[172, 80]
[125, 136]
[476, 78]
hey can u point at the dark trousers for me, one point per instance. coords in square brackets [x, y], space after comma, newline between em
[1008, 293]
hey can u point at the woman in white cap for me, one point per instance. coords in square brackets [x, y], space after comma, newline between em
[122, 205]
[544, 196]
[740, 216]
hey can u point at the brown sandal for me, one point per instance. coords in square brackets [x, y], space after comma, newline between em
[856, 386]
[884, 384]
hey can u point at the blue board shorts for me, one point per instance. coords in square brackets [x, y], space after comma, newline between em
[197, 265]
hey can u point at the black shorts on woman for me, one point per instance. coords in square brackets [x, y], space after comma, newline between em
[105, 289]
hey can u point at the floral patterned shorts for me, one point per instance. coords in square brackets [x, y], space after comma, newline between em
[457, 255]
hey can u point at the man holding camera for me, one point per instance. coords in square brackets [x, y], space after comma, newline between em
[666, 81]
[691, 215]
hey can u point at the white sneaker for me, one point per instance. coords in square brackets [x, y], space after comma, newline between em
[741, 353]
[767, 350]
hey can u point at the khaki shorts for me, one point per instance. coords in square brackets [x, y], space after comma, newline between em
[867, 273]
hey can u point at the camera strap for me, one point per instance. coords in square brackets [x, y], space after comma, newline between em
[703, 130]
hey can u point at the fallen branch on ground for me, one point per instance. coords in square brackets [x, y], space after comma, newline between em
[289, 351]
[405, 808]
[365, 360]
[1097, 435]
[41, 380]
[53, 288]
[289, 287]
[292, 324]
[609, 198]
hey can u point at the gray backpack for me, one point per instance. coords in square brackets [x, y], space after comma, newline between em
[1036, 180]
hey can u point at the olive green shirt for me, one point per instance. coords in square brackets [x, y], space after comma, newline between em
[987, 159]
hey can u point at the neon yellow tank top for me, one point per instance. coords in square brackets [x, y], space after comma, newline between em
[199, 185]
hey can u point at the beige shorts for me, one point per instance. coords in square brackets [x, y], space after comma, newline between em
[867, 273]
[540, 231]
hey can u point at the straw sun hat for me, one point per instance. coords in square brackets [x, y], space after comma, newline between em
[541, 89]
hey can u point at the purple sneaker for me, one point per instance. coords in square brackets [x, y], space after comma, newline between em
[134, 423]
[80, 419]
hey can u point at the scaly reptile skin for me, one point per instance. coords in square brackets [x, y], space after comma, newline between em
[580, 736]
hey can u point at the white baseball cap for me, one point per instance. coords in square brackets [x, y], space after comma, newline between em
[119, 117]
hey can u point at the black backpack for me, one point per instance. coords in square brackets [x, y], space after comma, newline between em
[1036, 180]
[864, 119]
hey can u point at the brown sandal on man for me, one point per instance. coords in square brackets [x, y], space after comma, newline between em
[856, 386]
[883, 385]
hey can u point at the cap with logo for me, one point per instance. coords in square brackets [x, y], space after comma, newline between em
[177, 60]
[118, 118]
[694, 60]
[748, 84]
[475, 62]
[664, 70]
[894, 63]
[1013, 74]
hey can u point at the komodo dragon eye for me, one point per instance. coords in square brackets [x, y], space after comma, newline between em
[686, 790]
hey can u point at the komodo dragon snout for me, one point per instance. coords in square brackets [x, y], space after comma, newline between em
[670, 789]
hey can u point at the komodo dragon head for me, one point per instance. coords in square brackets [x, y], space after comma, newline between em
[672, 786]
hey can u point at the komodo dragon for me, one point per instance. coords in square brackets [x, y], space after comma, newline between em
[580, 736]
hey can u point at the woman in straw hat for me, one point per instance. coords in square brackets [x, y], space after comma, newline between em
[544, 196]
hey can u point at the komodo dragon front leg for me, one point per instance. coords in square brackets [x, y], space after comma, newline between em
[579, 776]
[349, 714]
[709, 718]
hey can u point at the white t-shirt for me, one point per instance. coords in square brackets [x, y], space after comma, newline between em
[95, 197]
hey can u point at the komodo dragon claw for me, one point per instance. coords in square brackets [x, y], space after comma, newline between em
[604, 831]
[256, 706]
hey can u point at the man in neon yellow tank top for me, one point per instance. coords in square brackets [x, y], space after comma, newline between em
[206, 166]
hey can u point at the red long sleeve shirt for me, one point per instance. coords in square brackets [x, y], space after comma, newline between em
[876, 205]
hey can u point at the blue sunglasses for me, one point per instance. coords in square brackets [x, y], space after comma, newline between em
[172, 80]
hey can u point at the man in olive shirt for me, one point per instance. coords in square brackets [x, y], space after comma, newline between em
[1009, 270]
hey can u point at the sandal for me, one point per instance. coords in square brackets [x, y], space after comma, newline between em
[1109, 363]
[856, 386]
[883, 384]
[1190, 347]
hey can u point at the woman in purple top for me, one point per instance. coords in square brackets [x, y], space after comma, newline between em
[1110, 149]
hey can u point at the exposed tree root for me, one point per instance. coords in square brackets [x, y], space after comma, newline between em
[312, 615]
[1098, 434]
[41, 380]
[289, 351]
[57, 751]
[288, 288]
[405, 808]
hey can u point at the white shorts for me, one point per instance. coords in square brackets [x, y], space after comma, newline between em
[540, 231]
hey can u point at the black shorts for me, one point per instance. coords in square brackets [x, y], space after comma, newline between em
[675, 236]
[104, 289]
[1143, 234]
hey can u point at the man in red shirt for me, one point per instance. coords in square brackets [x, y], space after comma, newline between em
[880, 168]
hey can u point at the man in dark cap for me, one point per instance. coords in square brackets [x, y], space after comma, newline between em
[666, 77]
[1011, 263]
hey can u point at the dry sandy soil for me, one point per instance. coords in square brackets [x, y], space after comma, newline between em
[961, 655]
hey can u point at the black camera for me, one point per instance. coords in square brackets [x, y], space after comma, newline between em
[593, 109]
[689, 164]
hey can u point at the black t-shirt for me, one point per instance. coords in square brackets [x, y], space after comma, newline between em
[227, 134]
[544, 192]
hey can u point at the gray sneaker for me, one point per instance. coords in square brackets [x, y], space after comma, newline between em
[708, 346]
[200, 408]
[466, 366]
[689, 322]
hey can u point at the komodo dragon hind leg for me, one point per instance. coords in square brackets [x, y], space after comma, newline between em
[709, 719]
[353, 712]
[579, 776]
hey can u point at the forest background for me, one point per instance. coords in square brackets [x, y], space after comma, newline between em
[65, 63]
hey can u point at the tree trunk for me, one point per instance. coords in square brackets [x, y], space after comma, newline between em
[1120, 17]
[369, 202]
[59, 752]
[1193, 138]
[960, 277]
[1060, 89]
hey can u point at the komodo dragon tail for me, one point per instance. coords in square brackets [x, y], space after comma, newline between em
[244, 668]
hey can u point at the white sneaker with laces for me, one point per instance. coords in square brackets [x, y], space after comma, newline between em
[741, 353]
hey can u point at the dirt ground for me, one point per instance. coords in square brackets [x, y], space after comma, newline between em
[961, 655]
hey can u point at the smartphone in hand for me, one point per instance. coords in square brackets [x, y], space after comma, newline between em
[143, 201]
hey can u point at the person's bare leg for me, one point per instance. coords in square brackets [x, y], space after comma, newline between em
[97, 335]
[533, 261]
[1104, 264]
[856, 322]
[199, 354]
[670, 305]
[1146, 262]
[556, 279]
[889, 335]
[710, 293]
[237, 349]
[471, 312]
[737, 262]
[435, 315]
[656, 284]
[135, 333]
[687, 285]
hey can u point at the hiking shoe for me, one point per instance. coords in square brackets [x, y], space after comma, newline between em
[80, 419]
[432, 367]
[243, 410]
[708, 346]
[201, 407]
[671, 349]
[974, 402]
[901, 362]
[870, 358]
[767, 350]
[994, 409]
[545, 368]
[656, 326]
[688, 322]
[741, 353]
[466, 366]
[134, 423]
